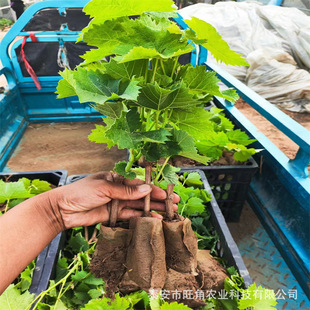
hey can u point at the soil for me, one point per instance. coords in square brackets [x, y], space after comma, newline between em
[285, 144]
[109, 258]
[65, 146]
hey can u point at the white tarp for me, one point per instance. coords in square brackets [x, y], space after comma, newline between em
[276, 43]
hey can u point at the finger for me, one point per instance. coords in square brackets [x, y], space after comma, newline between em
[139, 204]
[87, 218]
[126, 192]
[157, 192]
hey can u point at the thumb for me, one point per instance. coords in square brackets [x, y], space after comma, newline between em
[127, 192]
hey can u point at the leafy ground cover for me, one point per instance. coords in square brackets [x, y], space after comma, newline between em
[75, 287]
[16, 296]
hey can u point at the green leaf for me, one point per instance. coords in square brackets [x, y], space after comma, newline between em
[98, 135]
[154, 97]
[193, 179]
[214, 43]
[13, 300]
[126, 70]
[110, 109]
[13, 190]
[239, 137]
[257, 298]
[66, 86]
[136, 297]
[187, 145]
[194, 206]
[202, 82]
[119, 303]
[78, 243]
[94, 293]
[94, 86]
[110, 9]
[26, 277]
[91, 280]
[195, 122]
[39, 186]
[169, 174]
[243, 154]
[173, 306]
[122, 132]
[120, 168]
[79, 275]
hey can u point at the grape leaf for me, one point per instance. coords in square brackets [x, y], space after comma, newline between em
[98, 135]
[94, 86]
[120, 169]
[13, 190]
[194, 205]
[119, 303]
[192, 179]
[187, 146]
[200, 82]
[110, 9]
[195, 122]
[169, 174]
[26, 277]
[39, 186]
[239, 137]
[154, 97]
[214, 43]
[255, 298]
[243, 154]
[173, 306]
[126, 70]
[121, 132]
[94, 293]
[110, 109]
[13, 300]
[66, 86]
[79, 275]
[77, 243]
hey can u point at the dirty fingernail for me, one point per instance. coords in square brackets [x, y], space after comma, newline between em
[144, 188]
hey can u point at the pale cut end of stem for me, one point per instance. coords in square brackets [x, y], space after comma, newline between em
[114, 212]
[169, 202]
[147, 199]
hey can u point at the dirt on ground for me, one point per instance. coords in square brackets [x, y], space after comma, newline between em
[285, 144]
[65, 146]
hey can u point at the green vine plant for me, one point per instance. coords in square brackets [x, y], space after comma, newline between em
[154, 106]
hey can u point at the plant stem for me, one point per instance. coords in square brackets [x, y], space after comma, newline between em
[7, 206]
[77, 263]
[93, 237]
[130, 160]
[155, 68]
[174, 66]
[147, 199]
[114, 212]
[162, 169]
[162, 66]
[157, 119]
[86, 233]
[169, 202]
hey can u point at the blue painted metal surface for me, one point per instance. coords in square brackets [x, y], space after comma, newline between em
[280, 193]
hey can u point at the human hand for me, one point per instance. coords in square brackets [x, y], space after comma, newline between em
[85, 202]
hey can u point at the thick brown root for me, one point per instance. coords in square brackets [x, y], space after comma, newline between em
[211, 274]
[146, 253]
[109, 260]
[182, 287]
[181, 246]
